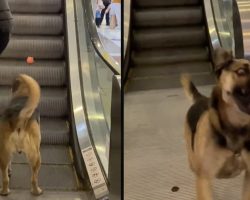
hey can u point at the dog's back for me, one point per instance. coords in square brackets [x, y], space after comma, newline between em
[200, 104]
[25, 99]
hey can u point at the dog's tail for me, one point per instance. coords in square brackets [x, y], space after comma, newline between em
[25, 86]
[189, 88]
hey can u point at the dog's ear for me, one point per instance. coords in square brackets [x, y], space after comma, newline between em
[222, 59]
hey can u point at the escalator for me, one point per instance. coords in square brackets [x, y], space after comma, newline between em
[168, 38]
[39, 31]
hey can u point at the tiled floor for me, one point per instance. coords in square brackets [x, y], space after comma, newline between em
[155, 156]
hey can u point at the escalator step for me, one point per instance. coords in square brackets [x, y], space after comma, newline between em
[51, 154]
[54, 131]
[168, 16]
[35, 6]
[169, 37]
[166, 82]
[38, 47]
[47, 73]
[51, 177]
[171, 69]
[170, 55]
[27, 24]
[54, 101]
[155, 3]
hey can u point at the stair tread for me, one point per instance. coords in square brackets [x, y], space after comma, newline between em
[35, 6]
[39, 24]
[53, 103]
[51, 154]
[165, 82]
[170, 16]
[169, 37]
[170, 69]
[46, 72]
[157, 3]
[40, 47]
[169, 55]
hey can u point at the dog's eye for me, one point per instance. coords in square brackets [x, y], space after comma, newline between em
[241, 72]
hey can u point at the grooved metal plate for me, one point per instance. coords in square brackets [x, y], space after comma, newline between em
[47, 195]
[155, 154]
[51, 154]
[51, 177]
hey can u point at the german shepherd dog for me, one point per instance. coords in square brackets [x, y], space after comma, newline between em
[20, 130]
[217, 129]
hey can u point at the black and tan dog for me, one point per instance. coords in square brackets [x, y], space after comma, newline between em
[217, 129]
[20, 130]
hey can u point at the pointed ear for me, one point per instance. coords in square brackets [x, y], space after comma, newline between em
[222, 58]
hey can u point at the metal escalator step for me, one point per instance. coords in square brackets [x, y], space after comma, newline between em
[49, 195]
[51, 177]
[171, 69]
[170, 55]
[35, 6]
[51, 154]
[166, 82]
[54, 101]
[39, 47]
[47, 73]
[168, 16]
[28, 24]
[156, 3]
[169, 37]
[55, 131]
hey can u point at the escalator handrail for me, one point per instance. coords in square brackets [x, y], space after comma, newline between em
[100, 50]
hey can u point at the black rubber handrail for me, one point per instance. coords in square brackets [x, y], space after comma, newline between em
[109, 61]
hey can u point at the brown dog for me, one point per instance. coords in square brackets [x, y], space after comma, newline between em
[20, 130]
[217, 129]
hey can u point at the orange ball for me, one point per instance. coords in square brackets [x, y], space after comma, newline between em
[30, 60]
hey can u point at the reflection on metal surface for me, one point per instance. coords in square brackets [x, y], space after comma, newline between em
[88, 9]
[244, 11]
[126, 24]
[223, 14]
[211, 25]
[77, 98]
[96, 92]
[115, 164]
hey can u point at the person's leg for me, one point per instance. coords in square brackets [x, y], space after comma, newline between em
[102, 14]
[107, 19]
[4, 40]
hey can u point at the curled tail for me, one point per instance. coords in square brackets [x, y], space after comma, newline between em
[189, 88]
[25, 86]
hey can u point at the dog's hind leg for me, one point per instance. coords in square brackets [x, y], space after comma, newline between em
[9, 169]
[204, 189]
[5, 187]
[35, 163]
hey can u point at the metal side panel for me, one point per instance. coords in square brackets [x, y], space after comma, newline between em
[97, 182]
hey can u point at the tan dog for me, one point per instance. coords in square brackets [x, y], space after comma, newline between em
[217, 129]
[20, 130]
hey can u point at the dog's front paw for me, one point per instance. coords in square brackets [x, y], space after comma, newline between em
[37, 191]
[5, 192]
